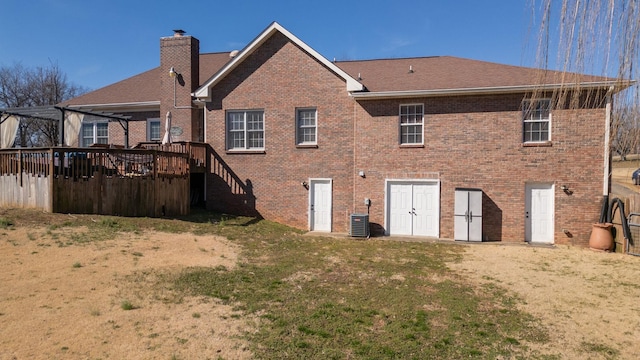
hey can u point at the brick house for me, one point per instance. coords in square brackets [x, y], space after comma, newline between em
[304, 141]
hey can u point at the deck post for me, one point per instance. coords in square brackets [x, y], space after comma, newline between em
[155, 181]
[61, 141]
[96, 171]
[20, 166]
[126, 135]
[51, 179]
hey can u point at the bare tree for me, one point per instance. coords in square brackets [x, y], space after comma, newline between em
[625, 132]
[599, 37]
[40, 86]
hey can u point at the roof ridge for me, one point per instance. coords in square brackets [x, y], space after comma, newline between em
[393, 58]
[216, 52]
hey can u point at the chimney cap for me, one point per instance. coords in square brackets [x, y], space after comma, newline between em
[178, 32]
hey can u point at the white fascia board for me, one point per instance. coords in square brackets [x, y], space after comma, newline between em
[204, 91]
[480, 91]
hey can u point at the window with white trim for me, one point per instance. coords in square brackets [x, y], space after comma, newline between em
[94, 133]
[245, 130]
[536, 116]
[411, 124]
[306, 126]
[153, 130]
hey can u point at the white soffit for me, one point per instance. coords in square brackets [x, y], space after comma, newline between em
[204, 91]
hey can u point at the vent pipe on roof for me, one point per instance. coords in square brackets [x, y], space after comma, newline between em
[410, 69]
[178, 33]
[233, 54]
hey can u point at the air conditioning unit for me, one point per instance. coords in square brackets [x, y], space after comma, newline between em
[359, 225]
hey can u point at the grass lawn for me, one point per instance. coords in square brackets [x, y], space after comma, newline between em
[334, 298]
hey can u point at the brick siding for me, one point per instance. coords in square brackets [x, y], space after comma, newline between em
[137, 127]
[476, 141]
[469, 141]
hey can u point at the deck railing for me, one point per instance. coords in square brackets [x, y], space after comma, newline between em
[90, 162]
[31, 161]
[197, 152]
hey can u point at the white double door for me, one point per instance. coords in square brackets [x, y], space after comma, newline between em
[413, 208]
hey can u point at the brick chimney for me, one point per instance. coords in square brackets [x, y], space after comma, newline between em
[180, 65]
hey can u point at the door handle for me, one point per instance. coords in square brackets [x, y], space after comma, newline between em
[311, 207]
[470, 216]
[526, 214]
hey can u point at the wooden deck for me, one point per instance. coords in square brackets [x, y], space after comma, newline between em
[197, 152]
[125, 182]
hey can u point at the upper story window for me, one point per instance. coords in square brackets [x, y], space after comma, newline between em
[245, 130]
[306, 126]
[411, 124]
[537, 120]
[153, 129]
[94, 133]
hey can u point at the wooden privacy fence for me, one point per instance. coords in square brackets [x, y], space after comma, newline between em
[125, 182]
[631, 205]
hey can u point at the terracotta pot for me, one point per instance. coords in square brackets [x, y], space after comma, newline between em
[601, 237]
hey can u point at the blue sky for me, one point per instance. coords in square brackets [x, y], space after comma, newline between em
[99, 42]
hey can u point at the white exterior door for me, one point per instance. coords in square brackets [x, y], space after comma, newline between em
[539, 213]
[413, 208]
[320, 205]
[400, 205]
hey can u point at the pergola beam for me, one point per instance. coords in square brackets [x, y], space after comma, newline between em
[56, 113]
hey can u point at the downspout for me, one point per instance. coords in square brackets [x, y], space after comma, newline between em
[207, 171]
[354, 172]
[204, 122]
[607, 150]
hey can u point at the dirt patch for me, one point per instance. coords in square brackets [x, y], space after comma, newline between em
[61, 299]
[588, 300]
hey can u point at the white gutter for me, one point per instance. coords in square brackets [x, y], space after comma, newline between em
[476, 91]
[607, 150]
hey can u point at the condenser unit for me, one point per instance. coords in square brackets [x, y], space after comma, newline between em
[359, 225]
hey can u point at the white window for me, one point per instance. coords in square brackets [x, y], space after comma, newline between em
[245, 130]
[95, 133]
[153, 130]
[411, 124]
[537, 120]
[306, 126]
